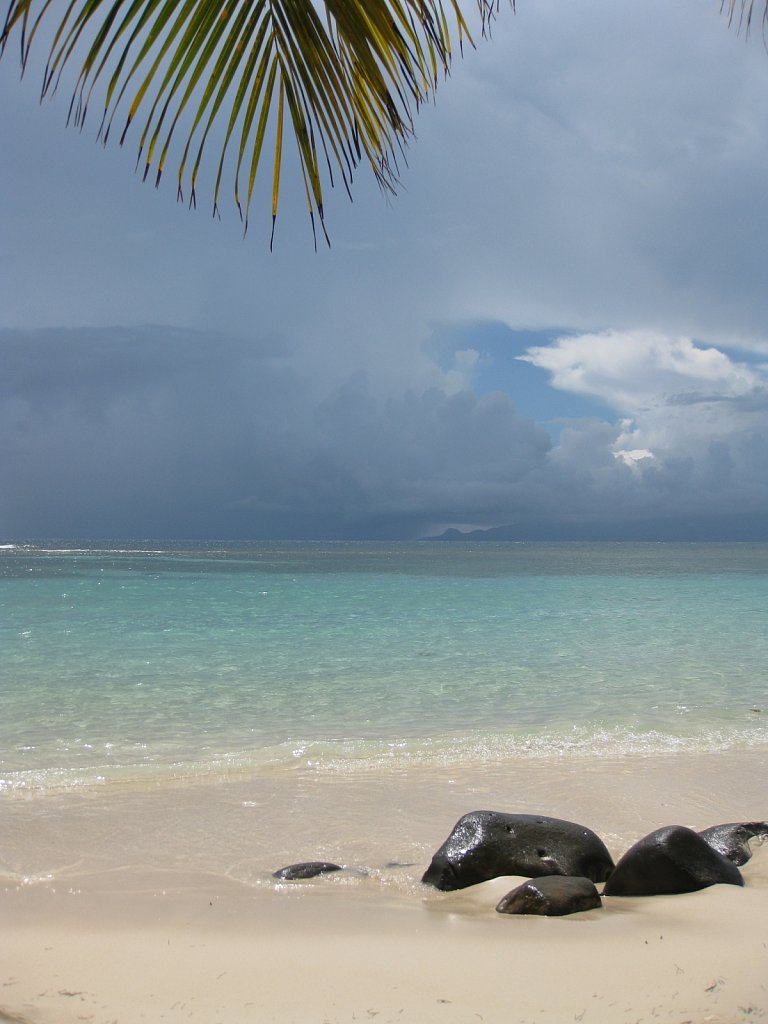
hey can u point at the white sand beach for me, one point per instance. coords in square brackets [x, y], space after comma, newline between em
[127, 942]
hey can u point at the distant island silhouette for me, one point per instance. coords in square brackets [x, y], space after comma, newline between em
[723, 528]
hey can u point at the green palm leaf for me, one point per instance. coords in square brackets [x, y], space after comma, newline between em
[345, 77]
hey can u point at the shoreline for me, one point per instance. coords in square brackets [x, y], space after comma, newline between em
[159, 905]
[734, 729]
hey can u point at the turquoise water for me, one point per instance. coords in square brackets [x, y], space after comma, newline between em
[192, 661]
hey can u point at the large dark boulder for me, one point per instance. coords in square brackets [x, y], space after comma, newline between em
[486, 844]
[673, 859]
[551, 896]
[732, 839]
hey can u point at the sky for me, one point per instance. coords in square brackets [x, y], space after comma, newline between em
[560, 323]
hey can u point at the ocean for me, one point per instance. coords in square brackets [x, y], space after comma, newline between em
[143, 663]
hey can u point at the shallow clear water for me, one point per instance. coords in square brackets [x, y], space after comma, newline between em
[199, 661]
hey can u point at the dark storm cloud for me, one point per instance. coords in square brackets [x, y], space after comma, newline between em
[131, 431]
[157, 432]
[154, 432]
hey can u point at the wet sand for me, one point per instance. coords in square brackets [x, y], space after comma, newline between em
[158, 905]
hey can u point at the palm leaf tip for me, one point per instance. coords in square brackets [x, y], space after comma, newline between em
[746, 10]
[345, 86]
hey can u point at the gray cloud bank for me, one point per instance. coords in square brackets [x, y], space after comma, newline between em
[159, 432]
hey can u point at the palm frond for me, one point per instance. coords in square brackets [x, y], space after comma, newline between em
[346, 80]
[746, 9]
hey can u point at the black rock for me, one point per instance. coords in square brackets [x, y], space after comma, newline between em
[307, 869]
[673, 859]
[551, 896]
[486, 844]
[732, 839]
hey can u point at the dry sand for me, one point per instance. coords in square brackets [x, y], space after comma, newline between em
[91, 930]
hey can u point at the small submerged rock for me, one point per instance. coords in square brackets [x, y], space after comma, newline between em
[307, 869]
[551, 896]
